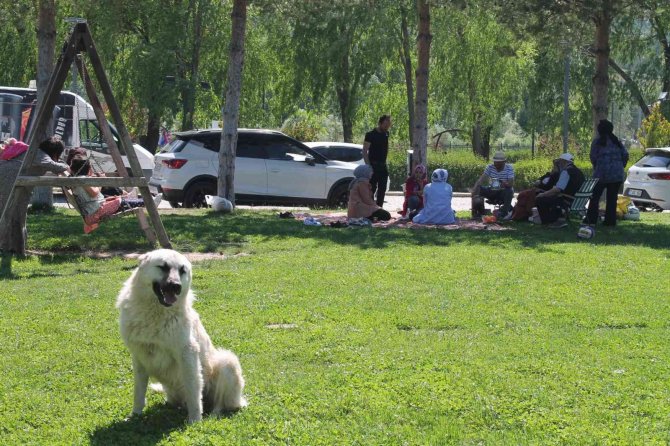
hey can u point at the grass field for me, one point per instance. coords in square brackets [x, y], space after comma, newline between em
[355, 336]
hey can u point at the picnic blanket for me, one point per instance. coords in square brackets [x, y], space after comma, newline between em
[474, 225]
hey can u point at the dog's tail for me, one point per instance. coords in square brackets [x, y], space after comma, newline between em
[227, 382]
[157, 387]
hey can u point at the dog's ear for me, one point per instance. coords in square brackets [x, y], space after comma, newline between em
[143, 258]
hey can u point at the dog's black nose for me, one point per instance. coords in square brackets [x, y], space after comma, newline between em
[172, 287]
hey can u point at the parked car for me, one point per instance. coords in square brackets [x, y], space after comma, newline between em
[648, 181]
[341, 151]
[270, 167]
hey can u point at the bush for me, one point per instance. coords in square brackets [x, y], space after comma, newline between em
[656, 129]
[303, 126]
[465, 168]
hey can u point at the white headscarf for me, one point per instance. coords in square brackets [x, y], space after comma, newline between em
[439, 176]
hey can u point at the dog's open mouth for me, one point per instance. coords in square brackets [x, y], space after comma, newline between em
[166, 294]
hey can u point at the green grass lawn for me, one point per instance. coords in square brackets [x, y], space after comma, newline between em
[419, 337]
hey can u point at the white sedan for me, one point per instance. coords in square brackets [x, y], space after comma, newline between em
[341, 151]
[648, 181]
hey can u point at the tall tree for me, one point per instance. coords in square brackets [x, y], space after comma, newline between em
[420, 130]
[481, 71]
[339, 44]
[46, 44]
[226, 186]
[406, 61]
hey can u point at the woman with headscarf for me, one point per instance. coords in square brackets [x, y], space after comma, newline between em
[609, 158]
[361, 204]
[414, 185]
[13, 233]
[437, 201]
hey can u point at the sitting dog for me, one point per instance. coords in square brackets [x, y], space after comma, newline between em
[168, 342]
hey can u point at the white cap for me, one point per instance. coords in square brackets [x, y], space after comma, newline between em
[567, 157]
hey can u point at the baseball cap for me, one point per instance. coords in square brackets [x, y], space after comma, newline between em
[566, 157]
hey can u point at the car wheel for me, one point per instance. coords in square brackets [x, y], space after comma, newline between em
[194, 197]
[339, 198]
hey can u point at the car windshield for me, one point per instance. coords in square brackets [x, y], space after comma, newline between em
[656, 158]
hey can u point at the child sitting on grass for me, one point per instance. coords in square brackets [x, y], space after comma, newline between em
[437, 201]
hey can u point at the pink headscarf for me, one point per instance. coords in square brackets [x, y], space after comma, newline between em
[421, 169]
[13, 149]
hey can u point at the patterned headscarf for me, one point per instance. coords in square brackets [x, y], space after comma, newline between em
[361, 173]
[439, 176]
[421, 169]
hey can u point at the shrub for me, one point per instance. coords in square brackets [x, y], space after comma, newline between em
[656, 129]
[303, 126]
[465, 168]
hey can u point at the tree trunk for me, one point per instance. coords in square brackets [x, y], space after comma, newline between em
[661, 33]
[231, 107]
[406, 60]
[46, 42]
[603, 20]
[343, 90]
[153, 132]
[632, 86]
[189, 93]
[481, 139]
[420, 138]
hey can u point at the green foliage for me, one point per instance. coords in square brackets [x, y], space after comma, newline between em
[303, 126]
[496, 337]
[655, 129]
[481, 68]
[465, 168]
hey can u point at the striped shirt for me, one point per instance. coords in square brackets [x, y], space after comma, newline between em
[504, 175]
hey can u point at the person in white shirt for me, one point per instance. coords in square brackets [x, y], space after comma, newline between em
[500, 176]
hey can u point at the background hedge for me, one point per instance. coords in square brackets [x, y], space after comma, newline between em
[464, 167]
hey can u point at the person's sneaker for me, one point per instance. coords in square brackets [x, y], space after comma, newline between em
[535, 220]
[157, 199]
[560, 223]
[507, 217]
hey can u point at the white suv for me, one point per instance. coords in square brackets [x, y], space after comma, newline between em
[270, 167]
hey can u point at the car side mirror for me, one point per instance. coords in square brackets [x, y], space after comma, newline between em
[309, 159]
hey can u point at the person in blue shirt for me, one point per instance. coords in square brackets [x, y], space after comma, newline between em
[609, 158]
[437, 201]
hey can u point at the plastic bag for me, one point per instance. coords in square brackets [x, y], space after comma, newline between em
[622, 204]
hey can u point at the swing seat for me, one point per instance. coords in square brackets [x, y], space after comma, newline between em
[108, 211]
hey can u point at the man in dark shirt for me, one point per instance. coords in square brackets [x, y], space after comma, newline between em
[375, 150]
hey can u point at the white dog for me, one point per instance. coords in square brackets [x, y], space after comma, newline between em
[168, 342]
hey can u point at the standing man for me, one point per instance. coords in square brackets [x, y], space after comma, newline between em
[375, 151]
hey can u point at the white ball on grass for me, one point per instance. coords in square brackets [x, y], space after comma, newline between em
[586, 232]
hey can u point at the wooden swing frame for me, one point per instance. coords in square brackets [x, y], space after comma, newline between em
[79, 42]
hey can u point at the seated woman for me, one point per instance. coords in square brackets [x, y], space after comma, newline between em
[361, 204]
[13, 230]
[437, 201]
[414, 192]
[525, 201]
[92, 203]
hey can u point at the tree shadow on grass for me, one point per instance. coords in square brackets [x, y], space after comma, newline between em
[152, 426]
[213, 232]
[242, 226]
